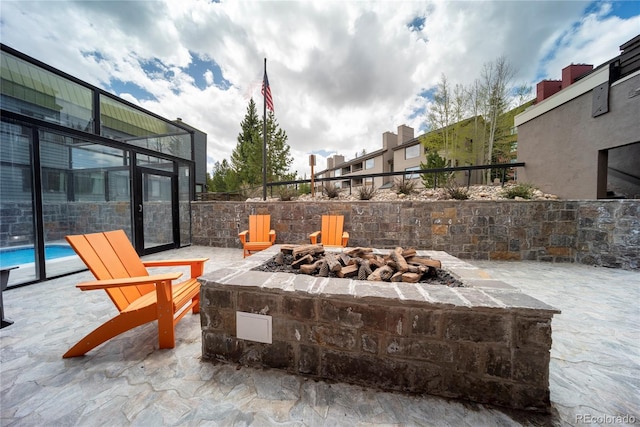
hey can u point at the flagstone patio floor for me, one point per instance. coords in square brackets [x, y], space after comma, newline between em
[594, 370]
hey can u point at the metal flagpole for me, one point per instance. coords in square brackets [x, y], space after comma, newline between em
[264, 133]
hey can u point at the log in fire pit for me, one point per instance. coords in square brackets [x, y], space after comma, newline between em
[399, 265]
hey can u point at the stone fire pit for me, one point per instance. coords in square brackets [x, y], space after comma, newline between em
[485, 342]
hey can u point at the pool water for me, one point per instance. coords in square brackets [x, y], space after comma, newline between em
[25, 255]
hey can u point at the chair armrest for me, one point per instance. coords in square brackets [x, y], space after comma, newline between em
[314, 237]
[128, 281]
[173, 262]
[243, 236]
[272, 236]
[196, 264]
[345, 238]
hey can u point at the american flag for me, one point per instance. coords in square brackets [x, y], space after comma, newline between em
[266, 92]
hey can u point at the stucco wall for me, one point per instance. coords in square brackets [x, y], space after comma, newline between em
[560, 147]
[595, 232]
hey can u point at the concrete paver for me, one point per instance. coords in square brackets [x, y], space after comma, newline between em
[594, 371]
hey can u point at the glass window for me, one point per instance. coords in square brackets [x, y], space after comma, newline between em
[89, 185]
[412, 152]
[184, 197]
[32, 91]
[119, 185]
[54, 181]
[337, 172]
[154, 162]
[84, 189]
[16, 203]
[125, 123]
[412, 175]
[157, 213]
[75, 169]
[26, 179]
[369, 164]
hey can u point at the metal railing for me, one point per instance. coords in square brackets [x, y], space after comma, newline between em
[219, 196]
[502, 167]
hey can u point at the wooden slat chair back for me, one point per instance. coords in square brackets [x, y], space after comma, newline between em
[98, 252]
[332, 232]
[139, 297]
[259, 236]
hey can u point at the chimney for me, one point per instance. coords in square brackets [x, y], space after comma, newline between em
[389, 140]
[405, 133]
[571, 73]
[546, 88]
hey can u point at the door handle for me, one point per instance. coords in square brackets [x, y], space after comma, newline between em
[140, 208]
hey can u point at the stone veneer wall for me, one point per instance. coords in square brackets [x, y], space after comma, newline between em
[595, 232]
[487, 342]
[62, 219]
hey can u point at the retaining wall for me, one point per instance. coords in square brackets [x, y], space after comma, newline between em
[596, 232]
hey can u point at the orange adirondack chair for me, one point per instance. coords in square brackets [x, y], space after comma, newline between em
[259, 236]
[139, 297]
[332, 234]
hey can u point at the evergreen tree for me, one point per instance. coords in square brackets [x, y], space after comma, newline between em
[434, 161]
[209, 184]
[246, 158]
[231, 180]
[223, 178]
[278, 152]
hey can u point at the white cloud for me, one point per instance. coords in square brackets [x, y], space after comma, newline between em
[341, 73]
[595, 39]
[208, 77]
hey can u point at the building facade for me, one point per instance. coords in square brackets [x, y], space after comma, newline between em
[351, 173]
[76, 159]
[581, 140]
[401, 152]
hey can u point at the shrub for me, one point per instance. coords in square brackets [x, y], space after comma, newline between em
[524, 191]
[287, 193]
[247, 191]
[367, 192]
[331, 190]
[304, 188]
[404, 186]
[457, 193]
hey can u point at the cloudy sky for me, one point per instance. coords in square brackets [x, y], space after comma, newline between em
[341, 72]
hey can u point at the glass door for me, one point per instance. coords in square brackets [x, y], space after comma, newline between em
[156, 205]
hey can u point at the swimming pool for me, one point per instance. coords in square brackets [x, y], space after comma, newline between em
[25, 254]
